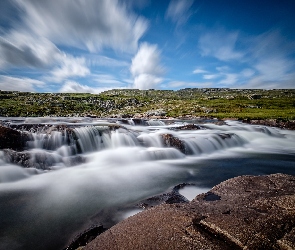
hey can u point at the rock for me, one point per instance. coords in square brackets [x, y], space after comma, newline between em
[166, 198]
[272, 123]
[171, 141]
[84, 238]
[187, 127]
[39, 160]
[12, 139]
[19, 158]
[246, 212]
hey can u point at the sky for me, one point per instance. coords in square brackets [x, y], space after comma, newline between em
[95, 45]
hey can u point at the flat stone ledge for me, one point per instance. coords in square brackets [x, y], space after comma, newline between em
[246, 212]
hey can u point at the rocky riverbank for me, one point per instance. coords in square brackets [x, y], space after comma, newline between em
[246, 212]
[272, 123]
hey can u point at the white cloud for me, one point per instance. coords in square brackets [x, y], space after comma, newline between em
[183, 84]
[9, 83]
[274, 70]
[69, 67]
[269, 54]
[223, 69]
[146, 68]
[24, 50]
[220, 45]
[105, 79]
[230, 79]
[178, 11]
[260, 83]
[200, 71]
[146, 81]
[247, 73]
[211, 76]
[74, 87]
[88, 24]
[146, 61]
[98, 60]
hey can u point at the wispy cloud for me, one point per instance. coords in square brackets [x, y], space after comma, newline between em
[246, 73]
[184, 84]
[146, 67]
[211, 76]
[94, 60]
[271, 57]
[107, 80]
[74, 87]
[265, 58]
[25, 84]
[179, 11]
[24, 50]
[220, 44]
[87, 24]
[230, 79]
[200, 71]
[69, 67]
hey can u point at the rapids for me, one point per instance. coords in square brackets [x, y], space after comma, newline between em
[83, 171]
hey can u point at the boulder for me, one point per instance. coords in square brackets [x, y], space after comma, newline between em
[170, 141]
[246, 212]
[12, 139]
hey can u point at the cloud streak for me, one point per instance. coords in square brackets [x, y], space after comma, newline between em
[24, 84]
[87, 24]
[69, 67]
[221, 45]
[146, 68]
[74, 87]
[23, 50]
[179, 11]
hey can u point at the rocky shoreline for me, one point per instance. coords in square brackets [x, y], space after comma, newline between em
[272, 123]
[246, 212]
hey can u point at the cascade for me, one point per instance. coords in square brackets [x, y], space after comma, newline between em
[76, 172]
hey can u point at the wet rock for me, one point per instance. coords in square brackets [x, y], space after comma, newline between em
[272, 123]
[140, 122]
[19, 158]
[171, 141]
[39, 160]
[13, 139]
[246, 212]
[187, 127]
[167, 198]
[84, 238]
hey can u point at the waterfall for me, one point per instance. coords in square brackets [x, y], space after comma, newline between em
[75, 172]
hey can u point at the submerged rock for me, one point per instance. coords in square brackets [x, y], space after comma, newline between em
[246, 212]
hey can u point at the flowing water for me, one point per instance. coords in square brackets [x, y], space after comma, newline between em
[81, 172]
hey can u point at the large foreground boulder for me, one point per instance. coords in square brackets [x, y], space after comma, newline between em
[247, 212]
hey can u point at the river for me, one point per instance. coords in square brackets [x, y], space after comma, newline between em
[85, 171]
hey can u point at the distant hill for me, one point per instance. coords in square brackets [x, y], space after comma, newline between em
[189, 103]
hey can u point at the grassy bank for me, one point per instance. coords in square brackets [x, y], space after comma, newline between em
[220, 103]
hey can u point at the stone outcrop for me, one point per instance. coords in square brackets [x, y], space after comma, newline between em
[171, 141]
[246, 212]
[12, 139]
[272, 123]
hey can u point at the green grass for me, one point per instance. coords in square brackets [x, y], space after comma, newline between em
[219, 103]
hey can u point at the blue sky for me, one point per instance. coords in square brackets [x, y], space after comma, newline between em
[95, 45]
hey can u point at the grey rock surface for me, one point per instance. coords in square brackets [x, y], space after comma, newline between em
[246, 212]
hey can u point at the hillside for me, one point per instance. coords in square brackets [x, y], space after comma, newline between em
[213, 102]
